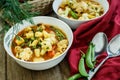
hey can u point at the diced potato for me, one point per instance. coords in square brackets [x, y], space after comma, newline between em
[37, 52]
[19, 41]
[28, 29]
[57, 54]
[91, 16]
[30, 34]
[42, 52]
[17, 55]
[36, 59]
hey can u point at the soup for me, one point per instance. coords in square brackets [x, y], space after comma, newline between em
[39, 43]
[80, 9]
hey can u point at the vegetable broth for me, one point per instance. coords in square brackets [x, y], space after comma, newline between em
[39, 43]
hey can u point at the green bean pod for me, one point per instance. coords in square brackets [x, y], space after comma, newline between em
[75, 76]
[73, 14]
[81, 67]
[88, 57]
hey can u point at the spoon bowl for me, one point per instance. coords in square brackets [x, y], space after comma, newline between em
[100, 41]
[113, 48]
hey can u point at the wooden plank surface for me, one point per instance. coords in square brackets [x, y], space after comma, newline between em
[10, 70]
[16, 72]
[2, 58]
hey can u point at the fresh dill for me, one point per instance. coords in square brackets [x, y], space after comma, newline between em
[14, 12]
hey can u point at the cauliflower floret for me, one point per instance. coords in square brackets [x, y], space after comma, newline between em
[65, 12]
[19, 40]
[30, 34]
[80, 7]
[62, 45]
[84, 16]
[26, 54]
[52, 40]
[46, 46]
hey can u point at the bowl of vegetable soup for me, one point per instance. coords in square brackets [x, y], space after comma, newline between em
[76, 12]
[41, 45]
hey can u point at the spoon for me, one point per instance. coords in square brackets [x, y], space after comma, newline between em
[100, 41]
[113, 50]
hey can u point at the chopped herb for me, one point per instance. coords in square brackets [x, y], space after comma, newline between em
[26, 40]
[22, 45]
[34, 47]
[47, 48]
[29, 43]
[18, 37]
[39, 44]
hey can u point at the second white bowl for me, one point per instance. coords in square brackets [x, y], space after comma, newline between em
[75, 23]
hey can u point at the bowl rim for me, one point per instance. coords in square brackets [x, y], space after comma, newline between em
[46, 61]
[75, 20]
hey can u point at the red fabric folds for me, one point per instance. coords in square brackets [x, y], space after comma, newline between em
[109, 24]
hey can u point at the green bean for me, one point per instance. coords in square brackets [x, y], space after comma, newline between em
[88, 57]
[73, 14]
[81, 66]
[59, 34]
[75, 76]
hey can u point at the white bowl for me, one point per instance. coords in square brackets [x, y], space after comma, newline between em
[40, 19]
[75, 23]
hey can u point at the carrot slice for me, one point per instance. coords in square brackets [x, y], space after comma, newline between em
[51, 53]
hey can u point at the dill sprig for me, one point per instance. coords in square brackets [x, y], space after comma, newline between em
[12, 11]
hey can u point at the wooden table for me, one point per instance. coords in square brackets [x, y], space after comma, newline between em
[10, 70]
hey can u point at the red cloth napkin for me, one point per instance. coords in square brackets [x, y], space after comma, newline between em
[109, 24]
